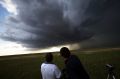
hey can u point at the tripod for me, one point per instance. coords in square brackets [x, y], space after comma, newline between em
[111, 74]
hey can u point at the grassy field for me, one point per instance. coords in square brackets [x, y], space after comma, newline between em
[28, 66]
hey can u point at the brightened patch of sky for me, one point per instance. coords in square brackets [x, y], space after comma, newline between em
[3, 13]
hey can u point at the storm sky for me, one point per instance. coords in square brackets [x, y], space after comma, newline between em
[36, 24]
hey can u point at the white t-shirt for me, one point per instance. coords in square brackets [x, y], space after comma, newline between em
[50, 71]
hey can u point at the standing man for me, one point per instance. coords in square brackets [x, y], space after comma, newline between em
[74, 68]
[48, 69]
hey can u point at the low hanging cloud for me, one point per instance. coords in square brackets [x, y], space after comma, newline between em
[106, 28]
[45, 23]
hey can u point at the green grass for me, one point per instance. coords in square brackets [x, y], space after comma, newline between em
[28, 66]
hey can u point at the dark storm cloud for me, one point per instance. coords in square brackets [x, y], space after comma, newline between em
[106, 29]
[43, 23]
[47, 23]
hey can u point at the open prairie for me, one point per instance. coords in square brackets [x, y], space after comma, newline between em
[28, 66]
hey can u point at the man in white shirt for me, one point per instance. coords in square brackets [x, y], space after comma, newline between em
[48, 69]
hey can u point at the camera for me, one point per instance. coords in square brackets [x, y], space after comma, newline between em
[110, 68]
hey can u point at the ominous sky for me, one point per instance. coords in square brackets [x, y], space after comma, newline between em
[35, 24]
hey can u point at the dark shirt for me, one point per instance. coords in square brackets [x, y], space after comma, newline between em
[75, 69]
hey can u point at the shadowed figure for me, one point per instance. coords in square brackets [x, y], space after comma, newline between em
[73, 67]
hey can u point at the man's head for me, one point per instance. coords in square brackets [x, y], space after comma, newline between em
[64, 51]
[49, 57]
